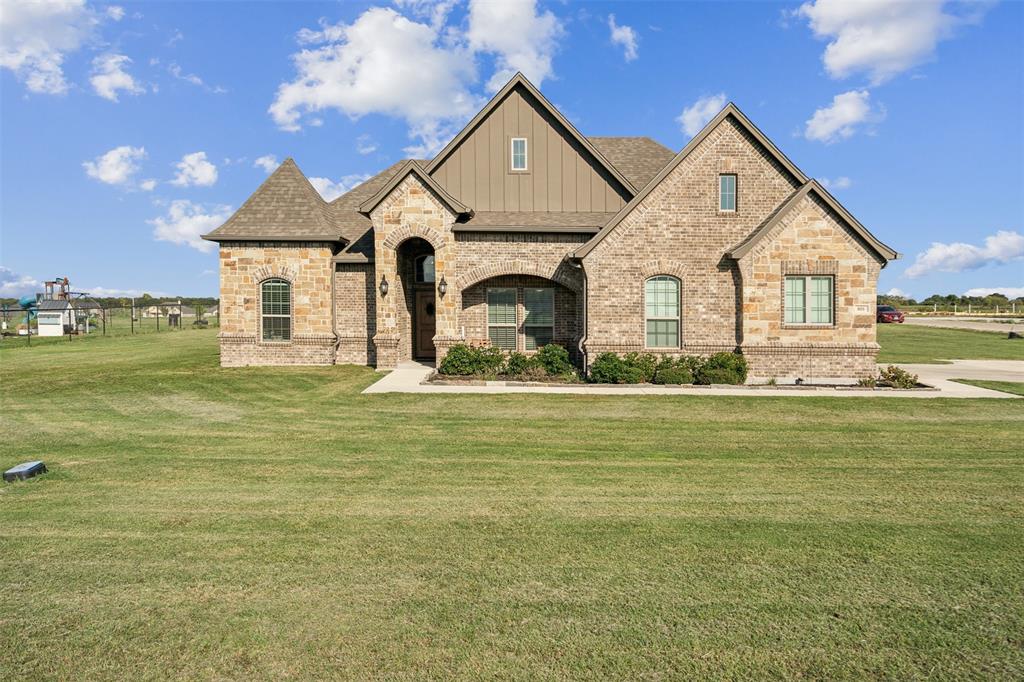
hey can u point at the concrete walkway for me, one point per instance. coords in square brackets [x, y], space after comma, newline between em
[973, 323]
[409, 376]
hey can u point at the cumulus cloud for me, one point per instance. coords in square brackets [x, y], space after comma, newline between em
[115, 12]
[36, 37]
[1009, 292]
[109, 77]
[624, 36]
[842, 118]
[365, 145]
[1001, 248]
[116, 167]
[147, 185]
[842, 182]
[696, 116]
[13, 285]
[331, 190]
[882, 38]
[194, 169]
[185, 221]
[519, 38]
[268, 163]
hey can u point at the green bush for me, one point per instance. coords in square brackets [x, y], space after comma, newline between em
[897, 377]
[723, 368]
[634, 368]
[516, 364]
[554, 359]
[607, 368]
[462, 360]
[644, 364]
[673, 374]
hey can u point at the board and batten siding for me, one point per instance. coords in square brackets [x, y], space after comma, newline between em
[561, 175]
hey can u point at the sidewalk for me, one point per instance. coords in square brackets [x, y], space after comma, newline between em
[408, 376]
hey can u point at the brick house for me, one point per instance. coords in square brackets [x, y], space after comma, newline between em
[522, 232]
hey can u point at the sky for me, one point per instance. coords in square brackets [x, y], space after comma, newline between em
[128, 129]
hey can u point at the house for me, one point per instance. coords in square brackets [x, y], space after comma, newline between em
[55, 317]
[523, 232]
[167, 309]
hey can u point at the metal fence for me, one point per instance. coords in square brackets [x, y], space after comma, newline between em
[83, 320]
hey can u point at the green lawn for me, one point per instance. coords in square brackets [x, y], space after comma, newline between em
[270, 523]
[907, 343]
[1014, 387]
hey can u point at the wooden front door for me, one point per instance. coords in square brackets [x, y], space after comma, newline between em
[425, 324]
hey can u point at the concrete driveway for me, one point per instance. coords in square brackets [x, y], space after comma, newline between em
[940, 376]
[974, 323]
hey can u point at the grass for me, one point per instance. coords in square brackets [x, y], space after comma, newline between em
[912, 344]
[268, 523]
[1014, 387]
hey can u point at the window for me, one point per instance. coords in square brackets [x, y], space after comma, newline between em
[501, 318]
[727, 192]
[662, 302]
[809, 300]
[539, 322]
[518, 153]
[277, 310]
[425, 269]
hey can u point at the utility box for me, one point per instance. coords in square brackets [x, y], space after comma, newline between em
[23, 471]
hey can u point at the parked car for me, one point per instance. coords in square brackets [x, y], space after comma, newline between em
[886, 313]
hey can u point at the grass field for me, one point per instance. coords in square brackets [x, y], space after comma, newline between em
[909, 344]
[1014, 387]
[270, 523]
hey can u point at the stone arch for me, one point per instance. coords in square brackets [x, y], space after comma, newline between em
[274, 271]
[409, 231]
[558, 273]
[654, 268]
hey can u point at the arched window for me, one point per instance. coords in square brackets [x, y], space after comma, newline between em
[661, 298]
[276, 313]
[425, 269]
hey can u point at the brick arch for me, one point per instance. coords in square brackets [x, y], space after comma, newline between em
[654, 268]
[517, 267]
[274, 271]
[408, 231]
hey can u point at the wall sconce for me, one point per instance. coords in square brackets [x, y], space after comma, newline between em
[442, 287]
[383, 286]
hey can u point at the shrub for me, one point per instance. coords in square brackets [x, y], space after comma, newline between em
[534, 372]
[723, 368]
[673, 374]
[897, 377]
[516, 364]
[554, 359]
[694, 363]
[462, 360]
[642, 365]
[867, 382]
[607, 369]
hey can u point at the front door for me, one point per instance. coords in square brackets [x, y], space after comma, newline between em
[426, 325]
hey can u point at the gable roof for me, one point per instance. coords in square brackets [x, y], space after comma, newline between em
[345, 208]
[286, 207]
[729, 110]
[411, 166]
[639, 158]
[519, 80]
[779, 214]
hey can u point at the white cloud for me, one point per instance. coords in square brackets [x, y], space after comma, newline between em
[115, 12]
[13, 285]
[194, 169]
[268, 163]
[696, 116]
[106, 292]
[193, 79]
[117, 166]
[840, 120]
[436, 11]
[109, 76]
[35, 38]
[185, 221]
[331, 190]
[365, 145]
[519, 37]
[842, 182]
[147, 185]
[624, 36]
[1001, 248]
[883, 38]
[1009, 292]
[897, 292]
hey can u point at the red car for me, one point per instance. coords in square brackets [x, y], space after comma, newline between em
[886, 313]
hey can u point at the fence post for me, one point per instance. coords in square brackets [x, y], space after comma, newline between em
[158, 318]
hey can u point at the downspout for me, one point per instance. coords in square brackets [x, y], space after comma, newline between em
[334, 307]
[577, 263]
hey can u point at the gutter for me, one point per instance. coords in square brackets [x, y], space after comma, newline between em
[577, 263]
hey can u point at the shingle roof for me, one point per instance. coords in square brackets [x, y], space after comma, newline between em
[286, 206]
[50, 304]
[533, 221]
[345, 208]
[638, 158]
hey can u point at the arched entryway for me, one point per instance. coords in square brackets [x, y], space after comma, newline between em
[418, 315]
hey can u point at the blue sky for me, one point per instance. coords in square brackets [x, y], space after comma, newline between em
[128, 129]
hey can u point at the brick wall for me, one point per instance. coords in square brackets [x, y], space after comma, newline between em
[354, 313]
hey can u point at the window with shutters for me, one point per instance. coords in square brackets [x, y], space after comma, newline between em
[661, 299]
[809, 300]
[501, 317]
[276, 309]
[539, 322]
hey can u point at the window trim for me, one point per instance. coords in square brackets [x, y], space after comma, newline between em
[735, 192]
[512, 155]
[678, 318]
[289, 316]
[540, 326]
[807, 324]
[504, 325]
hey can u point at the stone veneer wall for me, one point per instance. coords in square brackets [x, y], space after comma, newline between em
[243, 266]
[354, 313]
[678, 230]
[811, 240]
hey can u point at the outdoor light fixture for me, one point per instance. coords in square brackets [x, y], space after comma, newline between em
[442, 286]
[383, 286]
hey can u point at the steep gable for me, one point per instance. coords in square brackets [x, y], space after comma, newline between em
[566, 172]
